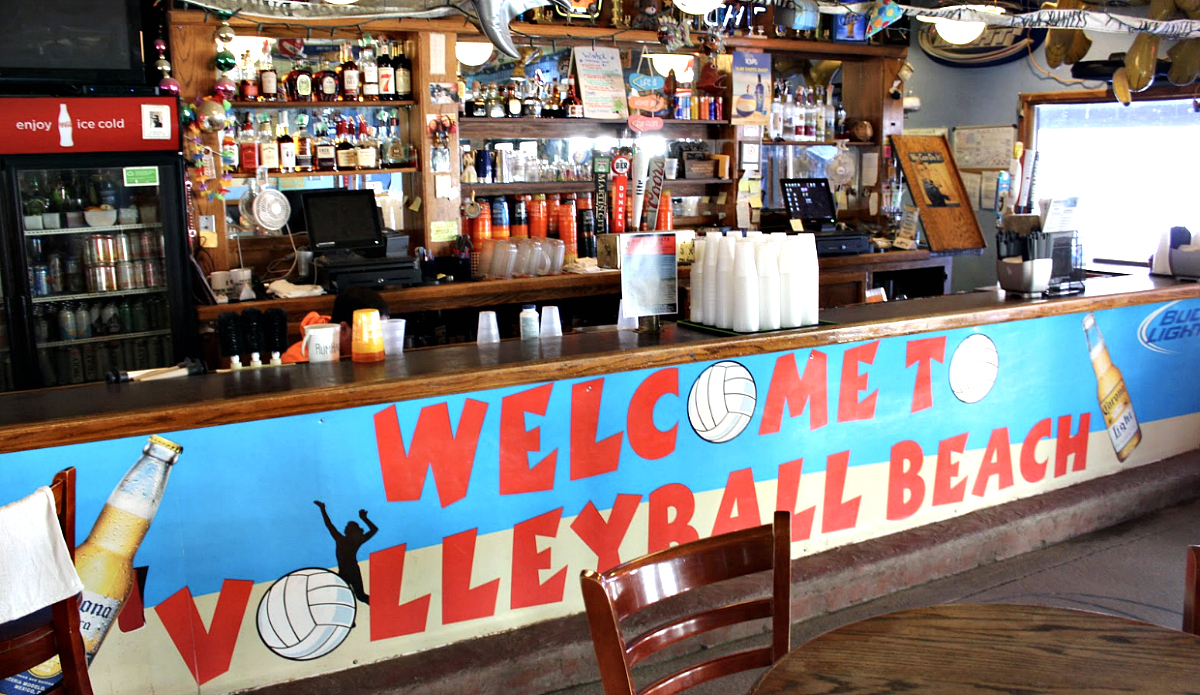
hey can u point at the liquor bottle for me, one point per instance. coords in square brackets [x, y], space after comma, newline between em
[327, 83]
[403, 67]
[326, 149]
[299, 83]
[553, 107]
[229, 150]
[819, 116]
[775, 124]
[512, 99]
[349, 76]
[105, 559]
[268, 79]
[347, 154]
[367, 147]
[248, 147]
[393, 147]
[248, 87]
[304, 144]
[370, 73]
[495, 105]
[793, 120]
[1122, 424]
[760, 96]
[531, 105]
[478, 106]
[841, 120]
[810, 116]
[287, 146]
[387, 76]
[572, 106]
[830, 115]
[268, 148]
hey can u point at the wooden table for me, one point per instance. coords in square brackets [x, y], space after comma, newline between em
[990, 648]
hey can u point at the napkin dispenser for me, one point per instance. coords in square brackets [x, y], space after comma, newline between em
[1177, 255]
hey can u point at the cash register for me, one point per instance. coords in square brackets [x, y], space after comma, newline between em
[347, 240]
[810, 202]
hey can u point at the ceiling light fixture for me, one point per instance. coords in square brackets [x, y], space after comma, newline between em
[961, 32]
[664, 63]
[473, 53]
[698, 7]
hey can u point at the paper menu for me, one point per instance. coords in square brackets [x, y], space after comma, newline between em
[601, 86]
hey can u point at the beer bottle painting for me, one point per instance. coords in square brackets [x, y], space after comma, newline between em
[105, 560]
[1115, 405]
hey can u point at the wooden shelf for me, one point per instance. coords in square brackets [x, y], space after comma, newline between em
[813, 143]
[532, 187]
[310, 174]
[550, 128]
[318, 104]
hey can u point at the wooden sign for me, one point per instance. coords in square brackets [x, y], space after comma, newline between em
[646, 83]
[937, 188]
[644, 124]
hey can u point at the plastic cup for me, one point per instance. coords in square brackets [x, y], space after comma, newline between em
[367, 344]
[551, 325]
[625, 323]
[393, 336]
[489, 330]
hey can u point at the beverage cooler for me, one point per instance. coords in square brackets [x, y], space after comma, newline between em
[95, 256]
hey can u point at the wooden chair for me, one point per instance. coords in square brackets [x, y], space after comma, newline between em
[1191, 592]
[627, 589]
[52, 631]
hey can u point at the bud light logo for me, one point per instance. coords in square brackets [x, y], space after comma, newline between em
[1173, 328]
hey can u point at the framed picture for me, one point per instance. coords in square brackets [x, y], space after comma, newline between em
[937, 188]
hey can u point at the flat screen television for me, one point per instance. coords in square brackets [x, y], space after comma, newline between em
[71, 42]
[342, 220]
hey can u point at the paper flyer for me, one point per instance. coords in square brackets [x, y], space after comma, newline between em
[751, 88]
[601, 86]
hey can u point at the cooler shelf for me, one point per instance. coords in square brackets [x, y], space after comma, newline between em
[93, 230]
[51, 298]
[104, 338]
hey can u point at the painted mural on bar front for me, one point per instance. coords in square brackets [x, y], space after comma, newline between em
[242, 555]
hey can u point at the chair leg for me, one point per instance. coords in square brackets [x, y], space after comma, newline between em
[1191, 602]
[71, 654]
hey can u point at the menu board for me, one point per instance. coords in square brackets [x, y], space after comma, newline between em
[751, 88]
[601, 85]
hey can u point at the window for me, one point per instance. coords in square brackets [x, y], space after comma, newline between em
[1135, 170]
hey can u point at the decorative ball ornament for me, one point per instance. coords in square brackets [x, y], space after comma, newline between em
[226, 60]
[224, 33]
[163, 65]
[160, 45]
[225, 89]
[169, 85]
[210, 115]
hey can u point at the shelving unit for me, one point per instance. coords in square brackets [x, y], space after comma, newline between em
[534, 187]
[318, 174]
[321, 104]
[93, 230]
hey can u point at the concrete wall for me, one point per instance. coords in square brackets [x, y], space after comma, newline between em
[987, 96]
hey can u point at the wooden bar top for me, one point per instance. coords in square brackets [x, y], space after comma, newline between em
[52, 417]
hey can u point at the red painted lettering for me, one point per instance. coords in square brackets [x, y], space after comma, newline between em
[516, 443]
[740, 495]
[434, 445]
[944, 491]
[588, 456]
[997, 462]
[648, 441]
[838, 514]
[855, 382]
[922, 353]
[671, 508]
[906, 488]
[604, 537]
[1033, 470]
[207, 652]
[389, 617]
[787, 494]
[461, 601]
[527, 561]
[787, 388]
[1071, 446]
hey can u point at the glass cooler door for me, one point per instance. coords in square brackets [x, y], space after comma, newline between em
[94, 260]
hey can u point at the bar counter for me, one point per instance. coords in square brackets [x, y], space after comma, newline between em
[54, 417]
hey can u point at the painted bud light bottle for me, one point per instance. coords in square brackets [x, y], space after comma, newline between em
[105, 560]
[1115, 405]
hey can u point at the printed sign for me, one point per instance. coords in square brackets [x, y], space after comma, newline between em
[751, 88]
[649, 285]
[601, 86]
[116, 124]
[644, 124]
[140, 176]
[646, 83]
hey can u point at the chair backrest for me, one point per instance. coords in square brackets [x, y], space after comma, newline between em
[615, 594]
[1191, 592]
[55, 631]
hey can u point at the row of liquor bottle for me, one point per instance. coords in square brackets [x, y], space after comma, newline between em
[386, 78]
[808, 115]
[81, 320]
[531, 99]
[335, 143]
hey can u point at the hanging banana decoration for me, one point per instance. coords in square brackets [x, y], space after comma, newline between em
[1065, 46]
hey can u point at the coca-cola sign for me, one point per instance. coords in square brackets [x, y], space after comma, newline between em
[60, 126]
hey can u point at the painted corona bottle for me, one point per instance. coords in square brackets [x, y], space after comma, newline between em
[105, 560]
[1115, 405]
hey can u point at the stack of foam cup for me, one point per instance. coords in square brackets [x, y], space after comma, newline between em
[755, 283]
[697, 288]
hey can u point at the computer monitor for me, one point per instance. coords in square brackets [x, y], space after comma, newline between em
[342, 220]
[811, 202]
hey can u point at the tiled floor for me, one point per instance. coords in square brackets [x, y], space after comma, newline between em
[1134, 570]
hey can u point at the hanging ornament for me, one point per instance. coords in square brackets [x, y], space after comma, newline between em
[225, 89]
[882, 15]
[224, 33]
[226, 60]
[168, 84]
[210, 115]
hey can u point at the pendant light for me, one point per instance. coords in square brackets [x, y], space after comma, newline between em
[473, 53]
[664, 63]
[698, 7]
[961, 32]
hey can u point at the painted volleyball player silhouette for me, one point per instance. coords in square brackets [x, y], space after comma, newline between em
[346, 547]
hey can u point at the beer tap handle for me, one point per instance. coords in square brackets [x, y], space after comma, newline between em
[229, 333]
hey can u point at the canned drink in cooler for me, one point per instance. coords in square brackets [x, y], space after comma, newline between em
[102, 278]
[40, 280]
[75, 280]
[145, 245]
[153, 272]
[130, 275]
[123, 248]
[54, 264]
[102, 248]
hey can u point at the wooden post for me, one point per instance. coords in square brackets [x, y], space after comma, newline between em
[435, 63]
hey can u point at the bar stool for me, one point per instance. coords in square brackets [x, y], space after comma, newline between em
[53, 630]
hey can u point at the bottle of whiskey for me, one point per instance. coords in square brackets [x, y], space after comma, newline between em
[403, 67]
[304, 144]
[268, 79]
[299, 83]
[323, 145]
[513, 100]
[247, 147]
[387, 75]
[572, 106]
[370, 73]
[531, 105]
[349, 76]
[327, 82]
[248, 86]
[367, 147]
[268, 148]
[287, 146]
[347, 154]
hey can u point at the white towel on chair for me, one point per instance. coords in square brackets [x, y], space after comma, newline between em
[35, 565]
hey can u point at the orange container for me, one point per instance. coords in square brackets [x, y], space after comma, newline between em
[567, 231]
[481, 227]
[553, 202]
[666, 216]
[538, 218]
